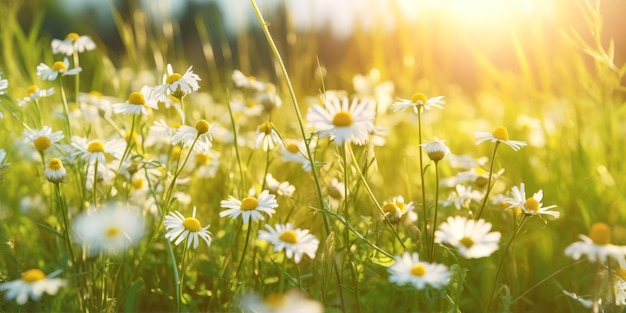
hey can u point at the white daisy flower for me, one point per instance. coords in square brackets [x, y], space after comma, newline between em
[418, 102]
[55, 172]
[266, 137]
[463, 196]
[181, 228]
[619, 289]
[72, 43]
[94, 99]
[279, 188]
[34, 93]
[201, 135]
[436, 149]
[597, 246]
[397, 210]
[250, 82]
[532, 205]
[292, 301]
[499, 134]
[43, 138]
[409, 270]
[206, 164]
[4, 84]
[177, 85]
[96, 149]
[295, 242]
[33, 284]
[111, 229]
[51, 73]
[250, 208]
[137, 103]
[295, 151]
[471, 238]
[343, 121]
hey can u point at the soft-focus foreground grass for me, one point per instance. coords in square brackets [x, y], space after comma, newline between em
[571, 86]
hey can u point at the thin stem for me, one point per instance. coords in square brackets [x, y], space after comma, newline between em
[65, 108]
[38, 109]
[95, 180]
[432, 243]
[68, 242]
[292, 93]
[499, 268]
[344, 158]
[489, 187]
[182, 111]
[181, 277]
[245, 246]
[170, 252]
[596, 288]
[546, 279]
[77, 80]
[232, 123]
[424, 209]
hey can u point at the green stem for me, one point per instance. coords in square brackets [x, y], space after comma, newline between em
[424, 209]
[181, 278]
[170, 252]
[95, 180]
[432, 243]
[77, 80]
[489, 187]
[68, 242]
[38, 109]
[66, 109]
[245, 247]
[232, 123]
[596, 288]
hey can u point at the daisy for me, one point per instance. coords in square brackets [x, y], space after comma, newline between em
[207, 163]
[33, 284]
[532, 205]
[279, 188]
[418, 102]
[250, 82]
[343, 121]
[408, 269]
[177, 85]
[397, 209]
[295, 242]
[43, 138]
[463, 196]
[200, 136]
[597, 246]
[436, 149]
[500, 134]
[95, 99]
[292, 301]
[34, 93]
[336, 192]
[188, 229]
[370, 86]
[471, 238]
[4, 84]
[55, 172]
[111, 229]
[95, 149]
[137, 103]
[50, 73]
[72, 43]
[250, 207]
[295, 151]
[266, 137]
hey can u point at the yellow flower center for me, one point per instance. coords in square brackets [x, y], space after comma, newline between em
[400, 206]
[600, 233]
[500, 133]
[266, 128]
[59, 66]
[113, 231]
[467, 242]
[72, 36]
[136, 98]
[95, 146]
[172, 78]
[55, 164]
[418, 270]
[137, 183]
[42, 143]
[531, 204]
[390, 208]
[33, 275]
[202, 127]
[176, 152]
[292, 147]
[621, 272]
[175, 125]
[202, 158]
[335, 192]
[96, 94]
[342, 119]
[249, 203]
[191, 224]
[32, 89]
[419, 98]
[289, 236]
[274, 300]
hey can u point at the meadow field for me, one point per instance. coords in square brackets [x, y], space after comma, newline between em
[327, 156]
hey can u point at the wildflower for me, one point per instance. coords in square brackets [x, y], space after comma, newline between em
[200, 136]
[250, 207]
[370, 86]
[34, 93]
[72, 43]
[207, 163]
[50, 73]
[397, 209]
[33, 284]
[188, 229]
[292, 301]
[471, 238]
[137, 103]
[418, 102]
[55, 173]
[266, 136]
[4, 84]
[408, 269]
[436, 149]
[250, 82]
[597, 246]
[343, 121]
[295, 242]
[110, 229]
[96, 149]
[532, 205]
[499, 134]
[336, 192]
[295, 151]
[279, 188]
[43, 138]
[177, 85]
[463, 196]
